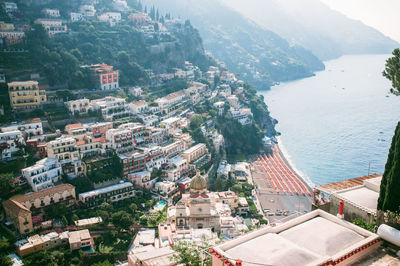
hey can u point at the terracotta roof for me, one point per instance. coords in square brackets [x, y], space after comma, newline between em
[101, 139]
[81, 142]
[15, 207]
[42, 193]
[139, 103]
[174, 95]
[345, 184]
[73, 125]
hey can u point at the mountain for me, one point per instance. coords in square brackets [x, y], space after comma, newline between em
[315, 26]
[259, 56]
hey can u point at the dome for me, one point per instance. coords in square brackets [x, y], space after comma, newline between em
[198, 182]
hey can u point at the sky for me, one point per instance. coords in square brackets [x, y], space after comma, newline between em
[383, 15]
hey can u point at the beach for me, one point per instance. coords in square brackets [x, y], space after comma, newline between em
[282, 191]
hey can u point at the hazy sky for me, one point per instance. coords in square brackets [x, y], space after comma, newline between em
[384, 15]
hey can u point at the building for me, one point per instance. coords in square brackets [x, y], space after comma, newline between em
[177, 167]
[121, 140]
[166, 188]
[18, 215]
[52, 26]
[19, 208]
[80, 106]
[171, 101]
[198, 211]
[315, 238]
[25, 94]
[136, 91]
[169, 235]
[152, 256]
[112, 108]
[112, 193]
[11, 37]
[38, 243]
[195, 152]
[142, 179]
[359, 196]
[104, 77]
[29, 128]
[139, 107]
[10, 143]
[90, 146]
[10, 7]
[134, 162]
[53, 13]
[243, 206]
[99, 129]
[171, 124]
[64, 150]
[87, 10]
[173, 149]
[44, 174]
[76, 17]
[88, 222]
[77, 131]
[81, 240]
[112, 18]
[139, 19]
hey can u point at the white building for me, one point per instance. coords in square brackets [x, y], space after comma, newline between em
[139, 107]
[195, 152]
[10, 143]
[52, 26]
[29, 128]
[114, 193]
[64, 150]
[165, 188]
[87, 10]
[75, 16]
[177, 167]
[112, 108]
[43, 174]
[49, 12]
[121, 139]
[220, 107]
[136, 91]
[112, 18]
[81, 106]
[10, 7]
[171, 100]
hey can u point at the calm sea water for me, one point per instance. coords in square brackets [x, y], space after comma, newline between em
[337, 123]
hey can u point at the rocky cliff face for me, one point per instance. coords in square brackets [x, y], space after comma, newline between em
[260, 56]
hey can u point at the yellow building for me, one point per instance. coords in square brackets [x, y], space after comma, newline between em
[25, 94]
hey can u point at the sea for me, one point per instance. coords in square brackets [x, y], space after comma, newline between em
[339, 123]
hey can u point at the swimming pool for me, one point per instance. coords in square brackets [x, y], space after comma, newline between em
[160, 205]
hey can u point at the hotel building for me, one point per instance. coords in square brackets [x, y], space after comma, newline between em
[25, 94]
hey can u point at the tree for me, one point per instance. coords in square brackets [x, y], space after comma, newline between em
[122, 219]
[5, 260]
[5, 183]
[133, 207]
[392, 71]
[190, 254]
[104, 263]
[389, 196]
[196, 121]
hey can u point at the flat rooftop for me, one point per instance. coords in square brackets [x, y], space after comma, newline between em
[312, 239]
[362, 197]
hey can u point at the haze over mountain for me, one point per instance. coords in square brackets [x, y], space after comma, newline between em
[315, 26]
[260, 56]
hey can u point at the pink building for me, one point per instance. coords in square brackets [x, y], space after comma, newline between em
[142, 179]
[80, 239]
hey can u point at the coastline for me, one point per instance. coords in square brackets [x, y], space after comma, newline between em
[286, 157]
